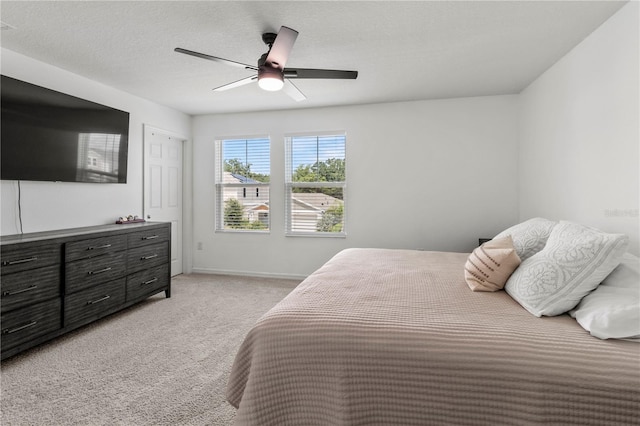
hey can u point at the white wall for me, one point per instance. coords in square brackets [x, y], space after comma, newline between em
[580, 133]
[566, 148]
[429, 174]
[51, 205]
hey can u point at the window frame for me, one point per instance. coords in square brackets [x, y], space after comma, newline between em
[220, 185]
[289, 185]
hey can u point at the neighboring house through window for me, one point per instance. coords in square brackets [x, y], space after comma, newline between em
[242, 184]
[98, 157]
[315, 185]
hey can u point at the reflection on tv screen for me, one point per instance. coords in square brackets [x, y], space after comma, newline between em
[98, 155]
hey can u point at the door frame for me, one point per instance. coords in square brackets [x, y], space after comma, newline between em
[187, 191]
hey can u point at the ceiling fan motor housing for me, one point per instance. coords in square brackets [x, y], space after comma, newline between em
[262, 60]
[270, 77]
[269, 38]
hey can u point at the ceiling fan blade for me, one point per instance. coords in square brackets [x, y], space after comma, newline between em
[236, 83]
[319, 73]
[281, 48]
[215, 59]
[291, 90]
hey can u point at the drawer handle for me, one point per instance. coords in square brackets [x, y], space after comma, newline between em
[17, 262]
[11, 293]
[151, 237]
[22, 327]
[99, 271]
[151, 281]
[149, 257]
[99, 247]
[102, 299]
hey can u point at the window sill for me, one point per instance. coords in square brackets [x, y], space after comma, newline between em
[317, 234]
[242, 231]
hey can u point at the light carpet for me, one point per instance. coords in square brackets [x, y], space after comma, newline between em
[160, 362]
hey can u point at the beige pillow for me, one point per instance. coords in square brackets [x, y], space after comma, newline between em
[490, 265]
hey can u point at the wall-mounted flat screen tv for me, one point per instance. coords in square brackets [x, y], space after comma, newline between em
[52, 136]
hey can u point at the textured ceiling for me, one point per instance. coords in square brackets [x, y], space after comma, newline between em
[403, 50]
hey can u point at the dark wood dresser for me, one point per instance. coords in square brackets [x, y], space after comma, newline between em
[56, 281]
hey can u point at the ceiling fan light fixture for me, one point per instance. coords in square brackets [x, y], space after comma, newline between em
[270, 79]
[271, 70]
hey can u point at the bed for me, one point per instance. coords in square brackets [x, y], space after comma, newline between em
[396, 337]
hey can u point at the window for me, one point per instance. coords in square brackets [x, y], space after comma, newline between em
[315, 185]
[242, 184]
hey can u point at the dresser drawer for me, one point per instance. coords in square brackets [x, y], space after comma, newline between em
[16, 258]
[149, 236]
[30, 287]
[89, 305]
[147, 256]
[145, 283]
[95, 270]
[94, 247]
[21, 326]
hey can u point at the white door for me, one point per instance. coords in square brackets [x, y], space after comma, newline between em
[163, 186]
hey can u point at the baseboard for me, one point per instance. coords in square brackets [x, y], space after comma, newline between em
[247, 273]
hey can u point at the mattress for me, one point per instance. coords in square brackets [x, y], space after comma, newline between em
[396, 337]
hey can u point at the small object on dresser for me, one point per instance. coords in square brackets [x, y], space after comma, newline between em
[129, 219]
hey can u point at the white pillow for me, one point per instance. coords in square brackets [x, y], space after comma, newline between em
[612, 310]
[530, 236]
[574, 261]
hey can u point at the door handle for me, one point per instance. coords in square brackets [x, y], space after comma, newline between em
[99, 271]
[11, 293]
[151, 281]
[99, 247]
[22, 327]
[102, 299]
[17, 262]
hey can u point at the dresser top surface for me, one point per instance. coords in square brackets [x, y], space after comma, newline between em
[74, 232]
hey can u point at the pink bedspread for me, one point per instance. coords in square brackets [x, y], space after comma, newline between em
[396, 337]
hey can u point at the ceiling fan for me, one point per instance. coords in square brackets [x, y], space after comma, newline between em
[271, 73]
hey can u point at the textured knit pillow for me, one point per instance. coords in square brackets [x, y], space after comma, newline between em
[612, 310]
[529, 237]
[574, 261]
[490, 265]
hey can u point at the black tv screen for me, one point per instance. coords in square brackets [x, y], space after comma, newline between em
[52, 136]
